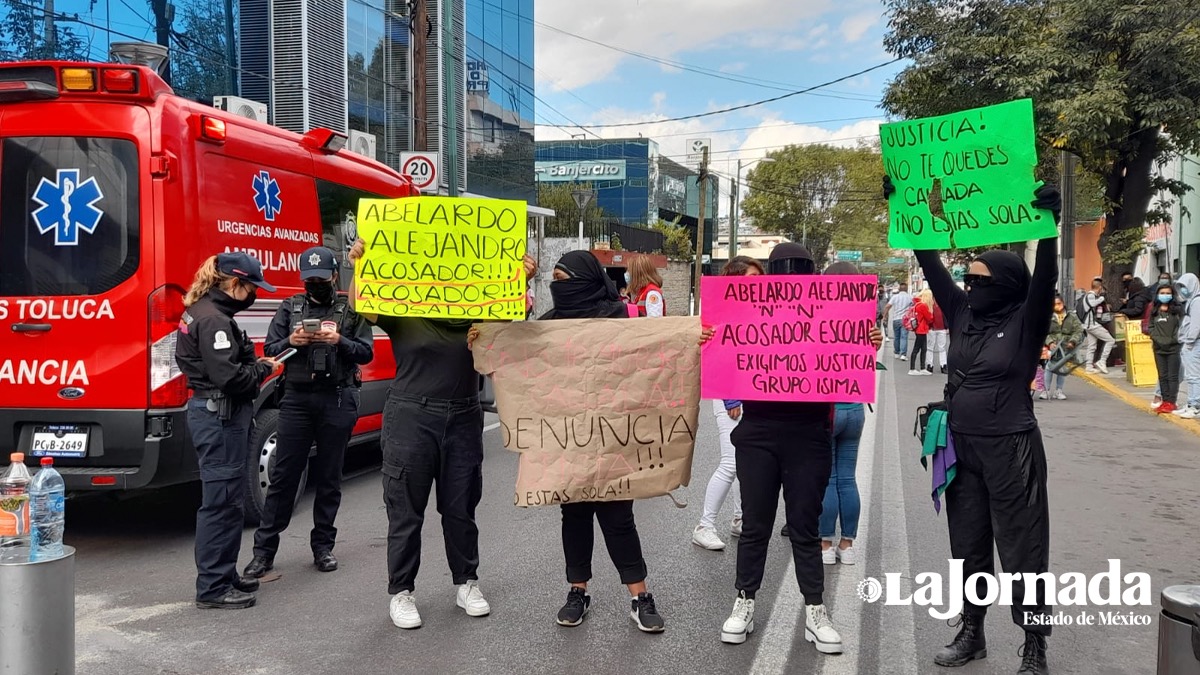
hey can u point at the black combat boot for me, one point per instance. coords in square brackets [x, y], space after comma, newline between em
[968, 645]
[1033, 656]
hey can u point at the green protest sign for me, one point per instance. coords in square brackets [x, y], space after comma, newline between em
[964, 180]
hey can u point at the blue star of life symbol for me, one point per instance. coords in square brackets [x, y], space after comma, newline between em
[266, 195]
[67, 206]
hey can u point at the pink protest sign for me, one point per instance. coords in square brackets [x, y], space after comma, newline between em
[789, 338]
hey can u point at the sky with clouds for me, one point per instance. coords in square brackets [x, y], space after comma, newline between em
[746, 51]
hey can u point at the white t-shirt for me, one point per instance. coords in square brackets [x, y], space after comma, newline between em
[900, 303]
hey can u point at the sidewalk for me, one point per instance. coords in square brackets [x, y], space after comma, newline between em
[1115, 383]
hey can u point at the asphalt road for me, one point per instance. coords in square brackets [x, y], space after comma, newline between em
[1122, 485]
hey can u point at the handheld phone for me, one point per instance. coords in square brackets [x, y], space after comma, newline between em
[311, 325]
[286, 354]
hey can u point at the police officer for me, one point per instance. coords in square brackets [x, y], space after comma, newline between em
[222, 371]
[319, 403]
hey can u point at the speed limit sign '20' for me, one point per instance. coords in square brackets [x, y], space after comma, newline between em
[423, 168]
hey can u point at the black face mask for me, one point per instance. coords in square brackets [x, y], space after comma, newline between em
[791, 266]
[322, 292]
[240, 305]
[985, 300]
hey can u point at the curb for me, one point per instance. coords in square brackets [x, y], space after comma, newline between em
[1191, 426]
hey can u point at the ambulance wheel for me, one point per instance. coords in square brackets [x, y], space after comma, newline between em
[261, 462]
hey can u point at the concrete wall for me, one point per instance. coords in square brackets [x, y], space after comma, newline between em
[552, 250]
[677, 288]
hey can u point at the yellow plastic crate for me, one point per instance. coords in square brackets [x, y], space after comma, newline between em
[1140, 369]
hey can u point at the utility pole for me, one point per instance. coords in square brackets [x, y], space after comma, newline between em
[700, 233]
[163, 15]
[733, 228]
[450, 88]
[420, 36]
[231, 78]
[50, 35]
[1067, 239]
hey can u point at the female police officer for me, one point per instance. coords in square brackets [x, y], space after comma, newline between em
[218, 360]
[320, 403]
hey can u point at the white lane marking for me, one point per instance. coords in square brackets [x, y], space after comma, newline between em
[896, 627]
[776, 643]
[493, 425]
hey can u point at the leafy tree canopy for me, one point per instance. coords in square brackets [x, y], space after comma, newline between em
[1113, 81]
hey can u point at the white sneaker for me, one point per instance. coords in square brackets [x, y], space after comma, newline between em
[1102, 368]
[1043, 395]
[829, 555]
[1059, 395]
[403, 611]
[1189, 413]
[1156, 404]
[471, 599]
[735, 530]
[914, 371]
[903, 357]
[706, 538]
[1180, 412]
[847, 556]
[1091, 369]
[740, 623]
[818, 629]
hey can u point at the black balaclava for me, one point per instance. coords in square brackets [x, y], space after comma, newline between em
[790, 258]
[996, 301]
[588, 294]
[841, 268]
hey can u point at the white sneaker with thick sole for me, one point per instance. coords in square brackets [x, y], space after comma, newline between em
[829, 556]
[735, 530]
[1102, 368]
[1059, 395]
[914, 371]
[818, 629]
[706, 538]
[403, 610]
[471, 599]
[1043, 395]
[1091, 369]
[1180, 412]
[1189, 413]
[847, 556]
[903, 357]
[740, 623]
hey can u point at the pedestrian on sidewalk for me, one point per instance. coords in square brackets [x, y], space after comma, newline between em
[784, 445]
[998, 497]
[218, 360]
[897, 307]
[923, 316]
[724, 478]
[319, 407]
[842, 503]
[1062, 341]
[1188, 290]
[1095, 315]
[582, 290]
[432, 441]
[1164, 333]
[939, 339]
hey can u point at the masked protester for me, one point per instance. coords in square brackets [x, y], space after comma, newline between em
[998, 496]
[788, 446]
[218, 360]
[319, 405]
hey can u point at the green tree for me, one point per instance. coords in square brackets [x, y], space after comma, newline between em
[677, 241]
[1109, 79]
[23, 33]
[824, 195]
[565, 223]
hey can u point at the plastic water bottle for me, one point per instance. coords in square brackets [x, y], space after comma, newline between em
[47, 497]
[14, 508]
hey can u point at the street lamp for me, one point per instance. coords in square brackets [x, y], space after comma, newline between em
[737, 214]
[582, 198]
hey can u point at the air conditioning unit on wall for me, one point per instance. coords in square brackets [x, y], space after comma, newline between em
[362, 142]
[243, 107]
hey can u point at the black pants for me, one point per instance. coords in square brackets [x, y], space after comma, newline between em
[798, 457]
[920, 344]
[222, 449]
[1168, 375]
[327, 418]
[998, 498]
[428, 441]
[620, 536]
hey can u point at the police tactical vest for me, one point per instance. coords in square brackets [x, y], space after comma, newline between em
[319, 365]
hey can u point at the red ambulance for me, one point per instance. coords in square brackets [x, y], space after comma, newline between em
[112, 192]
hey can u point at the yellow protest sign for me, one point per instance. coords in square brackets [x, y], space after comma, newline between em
[441, 258]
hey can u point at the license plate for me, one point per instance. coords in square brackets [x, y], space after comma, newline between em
[60, 440]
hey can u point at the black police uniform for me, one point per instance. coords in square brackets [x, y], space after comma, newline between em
[320, 403]
[219, 361]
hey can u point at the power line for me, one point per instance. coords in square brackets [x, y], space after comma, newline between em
[744, 106]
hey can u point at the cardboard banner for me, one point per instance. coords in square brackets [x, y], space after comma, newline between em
[441, 257]
[600, 409]
[789, 338]
[964, 180]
